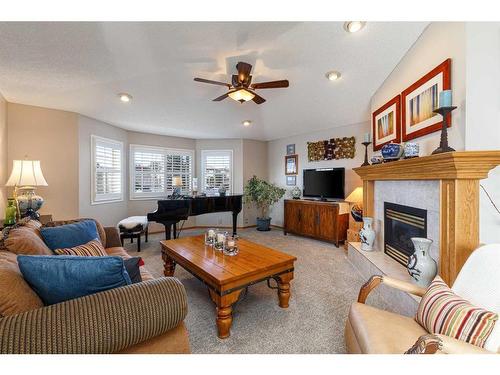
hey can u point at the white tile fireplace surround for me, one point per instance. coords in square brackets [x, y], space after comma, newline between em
[423, 194]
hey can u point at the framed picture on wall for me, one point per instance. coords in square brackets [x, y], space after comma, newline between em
[291, 164]
[387, 123]
[291, 180]
[421, 99]
[290, 149]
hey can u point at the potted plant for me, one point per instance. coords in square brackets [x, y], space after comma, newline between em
[263, 194]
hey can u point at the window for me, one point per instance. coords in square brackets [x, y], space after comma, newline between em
[152, 169]
[217, 169]
[106, 170]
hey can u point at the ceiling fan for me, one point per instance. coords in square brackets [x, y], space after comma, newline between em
[241, 87]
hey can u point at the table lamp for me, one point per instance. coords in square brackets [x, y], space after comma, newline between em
[26, 175]
[356, 198]
[177, 185]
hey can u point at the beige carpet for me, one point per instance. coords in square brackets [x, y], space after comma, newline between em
[324, 286]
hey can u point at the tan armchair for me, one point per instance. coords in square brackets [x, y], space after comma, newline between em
[374, 331]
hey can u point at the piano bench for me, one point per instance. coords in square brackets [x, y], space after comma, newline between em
[133, 227]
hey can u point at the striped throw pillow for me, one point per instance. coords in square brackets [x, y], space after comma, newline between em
[90, 249]
[441, 311]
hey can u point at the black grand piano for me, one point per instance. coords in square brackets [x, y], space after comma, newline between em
[171, 211]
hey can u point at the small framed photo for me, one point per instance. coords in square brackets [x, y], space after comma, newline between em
[290, 149]
[387, 123]
[291, 164]
[291, 180]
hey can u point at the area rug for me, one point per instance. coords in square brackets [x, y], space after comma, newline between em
[324, 286]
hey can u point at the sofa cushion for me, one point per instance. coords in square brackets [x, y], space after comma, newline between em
[441, 311]
[69, 235]
[59, 278]
[100, 229]
[16, 296]
[121, 252]
[24, 238]
[382, 332]
[133, 267]
[92, 248]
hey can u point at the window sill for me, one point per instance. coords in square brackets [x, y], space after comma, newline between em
[97, 203]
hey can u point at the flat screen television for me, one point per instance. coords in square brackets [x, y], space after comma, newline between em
[324, 183]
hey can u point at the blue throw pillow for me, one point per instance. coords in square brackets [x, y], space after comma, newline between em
[69, 235]
[58, 278]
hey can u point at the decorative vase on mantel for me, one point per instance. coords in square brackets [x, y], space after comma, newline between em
[421, 267]
[367, 234]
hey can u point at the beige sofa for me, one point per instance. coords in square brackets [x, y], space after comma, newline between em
[146, 317]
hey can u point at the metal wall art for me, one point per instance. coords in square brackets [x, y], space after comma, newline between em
[333, 149]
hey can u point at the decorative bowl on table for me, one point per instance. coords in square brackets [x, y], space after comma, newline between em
[392, 151]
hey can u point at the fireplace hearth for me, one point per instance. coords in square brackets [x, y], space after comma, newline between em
[401, 223]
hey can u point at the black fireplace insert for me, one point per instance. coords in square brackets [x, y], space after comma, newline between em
[401, 223]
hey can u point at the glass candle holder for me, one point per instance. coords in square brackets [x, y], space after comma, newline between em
[220, 239]
[231, 245]
[210, 236]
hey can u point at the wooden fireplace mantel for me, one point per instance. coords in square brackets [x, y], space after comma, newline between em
[459, 174]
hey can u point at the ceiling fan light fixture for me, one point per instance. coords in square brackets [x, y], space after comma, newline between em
[333, 75]
[241, 95]
[354, 26]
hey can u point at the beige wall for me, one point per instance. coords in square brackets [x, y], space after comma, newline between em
[3, 155]
[50, 136]
[439, 41]
[106, 213]
[141, 207]
[254, 163]
[277, 152]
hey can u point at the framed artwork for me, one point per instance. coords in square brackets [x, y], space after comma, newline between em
[291, 180]
[290, 149]
[291, 164]
[421, 99]
[387, 123]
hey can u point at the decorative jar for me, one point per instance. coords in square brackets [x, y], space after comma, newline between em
[10, 212]
[231, 245]
[421, 267]
[411, 150]
[367, 234]
[222, 191]
[296, 192]
[392, 151]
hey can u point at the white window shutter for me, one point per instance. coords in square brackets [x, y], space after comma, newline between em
[106, 169]
[152, 169]
[217, 169]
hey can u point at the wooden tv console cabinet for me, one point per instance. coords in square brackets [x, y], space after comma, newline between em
[316, 219]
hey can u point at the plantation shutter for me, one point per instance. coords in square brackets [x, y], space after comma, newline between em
[152, 169]
[217, 169]
[107, 169]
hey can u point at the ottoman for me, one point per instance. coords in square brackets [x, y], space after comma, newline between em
[133, 227]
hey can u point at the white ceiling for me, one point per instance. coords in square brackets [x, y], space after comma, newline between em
[81, 67]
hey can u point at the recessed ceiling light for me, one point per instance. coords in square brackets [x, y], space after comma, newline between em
[124, 97]
[333, 75]
[354, 26]
[247, 123]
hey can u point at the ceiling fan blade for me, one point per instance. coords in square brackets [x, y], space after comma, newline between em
[222, 97]
[258, 99]
[271, 84]
[244, 70]
[203, 80]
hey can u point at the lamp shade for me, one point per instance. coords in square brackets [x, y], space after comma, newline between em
[26, 173]
[241, 94]
[176, 181]
[356, 196]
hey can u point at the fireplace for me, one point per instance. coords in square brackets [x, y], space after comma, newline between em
[401, 223]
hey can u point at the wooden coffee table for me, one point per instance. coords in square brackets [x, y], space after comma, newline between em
[227, 276]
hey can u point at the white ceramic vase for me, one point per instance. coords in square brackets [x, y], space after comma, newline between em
[367, 234]
[421, 267]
